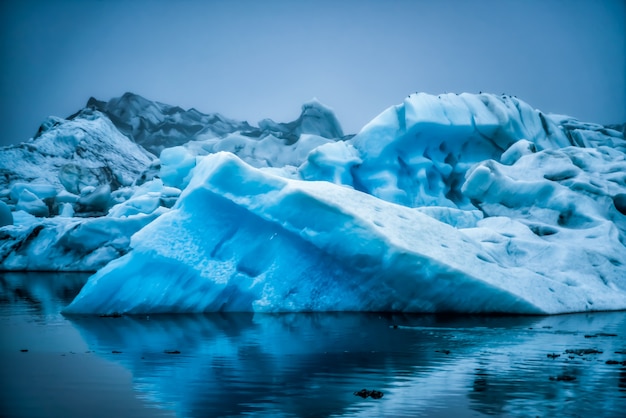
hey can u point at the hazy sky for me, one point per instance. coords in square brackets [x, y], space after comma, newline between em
[252, 59]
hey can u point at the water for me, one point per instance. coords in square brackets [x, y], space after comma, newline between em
[299, 365]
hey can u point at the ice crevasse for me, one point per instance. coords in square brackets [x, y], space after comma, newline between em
[466, 203]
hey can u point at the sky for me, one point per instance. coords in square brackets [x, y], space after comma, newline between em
[254, 59]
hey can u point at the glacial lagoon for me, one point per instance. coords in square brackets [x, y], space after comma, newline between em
[300, 365]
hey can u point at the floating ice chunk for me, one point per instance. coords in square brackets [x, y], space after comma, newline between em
[66, 197]
[146, 204]
[66, 210]
[167, 191]
[29, 202]
[146, 199]
[306, 143]
[40, 190]
[517, 150]
[176, 166]
[86, 190]
[94, 199]
[331, 162]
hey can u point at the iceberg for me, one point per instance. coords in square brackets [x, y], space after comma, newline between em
[448, 203]
[242, 239]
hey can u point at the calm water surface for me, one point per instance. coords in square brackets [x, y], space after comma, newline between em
[299, 365]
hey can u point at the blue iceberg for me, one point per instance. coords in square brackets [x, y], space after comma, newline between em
[450, 203]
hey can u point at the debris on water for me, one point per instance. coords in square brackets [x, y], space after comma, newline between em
[111, 315]
[364, 393]
[376, 394]
[116, 352]
[583, 351]
[563, 378]
[171, 352]
[553, 355]
[600, 334]
[24, 350]
[443, 351]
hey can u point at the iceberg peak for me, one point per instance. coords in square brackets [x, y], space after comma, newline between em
[315, 119]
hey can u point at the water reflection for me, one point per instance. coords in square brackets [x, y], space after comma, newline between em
[310, 364]
[43, 293]
[305, 365]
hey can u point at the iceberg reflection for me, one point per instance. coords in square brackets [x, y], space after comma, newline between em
[311, 364]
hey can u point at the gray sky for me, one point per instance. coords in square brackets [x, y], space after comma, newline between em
[252, 59]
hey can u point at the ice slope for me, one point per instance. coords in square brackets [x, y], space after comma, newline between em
[241, 239]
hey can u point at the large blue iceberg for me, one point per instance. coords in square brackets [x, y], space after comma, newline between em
[455, 203]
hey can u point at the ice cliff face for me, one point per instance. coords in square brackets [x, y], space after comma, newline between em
[467, 203]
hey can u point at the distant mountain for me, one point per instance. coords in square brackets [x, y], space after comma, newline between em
[156, 126]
